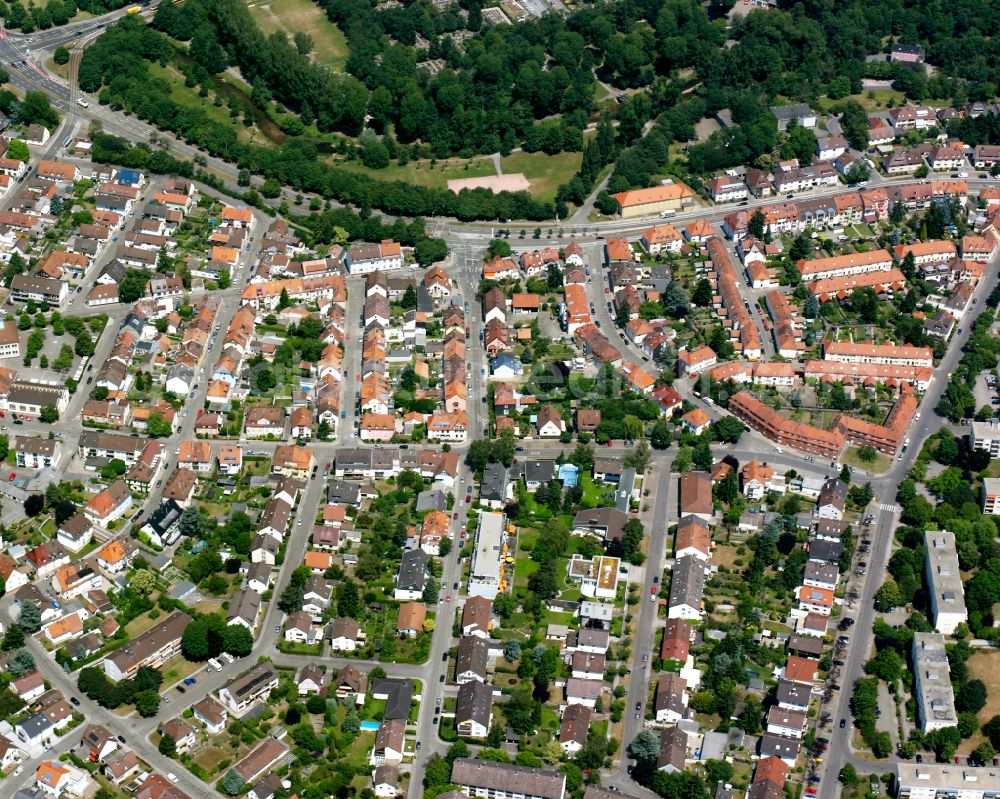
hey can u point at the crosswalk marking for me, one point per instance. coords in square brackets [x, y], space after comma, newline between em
[888, 507]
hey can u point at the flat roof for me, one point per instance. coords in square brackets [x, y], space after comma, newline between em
[933, 679]
[943, 572]
[489, 543]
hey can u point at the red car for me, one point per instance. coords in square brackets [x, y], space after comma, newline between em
[454, 515]
[12, 476]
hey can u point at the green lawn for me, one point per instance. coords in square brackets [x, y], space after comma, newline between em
[545, 172]
[329, 43]
[878, 466]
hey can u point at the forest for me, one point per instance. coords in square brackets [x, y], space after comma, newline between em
[533, 85]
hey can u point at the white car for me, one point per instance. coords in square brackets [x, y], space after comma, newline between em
[171, 776]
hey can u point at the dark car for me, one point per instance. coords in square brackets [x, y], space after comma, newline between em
[441, 678]
[444, 657]
[121, 738]
[74, 701]
[843, 723]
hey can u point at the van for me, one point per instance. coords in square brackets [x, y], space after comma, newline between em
[215, 664]
[227, 657]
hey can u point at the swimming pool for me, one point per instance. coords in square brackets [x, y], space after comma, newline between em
[370, 725]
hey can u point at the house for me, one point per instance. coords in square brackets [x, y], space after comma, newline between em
[310, 680]
[10, 755]
[117, 555]
[255, 683]
[604, 523]
[244, 608]
[389, 741]
[549, 423]
[696, 421]
[110, 504]
[673, 750]
[815, 600]
[268, 754]
[471, 660]
[695, 361]
[264, 421]
[362, 258]
[57, 779]
[537, 473]
[412, 576]
[687, 588]
[696, 495]
[474, 709]
[477, 617]
[28, 686]
[676, 641]
[210, 713]
[73, 534]
[832, 499]
[786, 749]
[343, 634]
[397, 694]
[670, 699]
[495, 489]
[182, 733]
[693, 538]
[349, 682]
[583, 692]
[574, 727]
[410, 619]
[756, 477]
[385, 780]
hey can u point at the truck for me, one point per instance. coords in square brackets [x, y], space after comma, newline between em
[667, 214]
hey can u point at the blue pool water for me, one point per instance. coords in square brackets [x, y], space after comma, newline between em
[370, 725]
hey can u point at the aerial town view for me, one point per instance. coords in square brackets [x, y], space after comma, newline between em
[543, 400]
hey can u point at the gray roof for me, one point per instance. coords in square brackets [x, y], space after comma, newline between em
[538, 471]
[340, 491]
[791, 111]
[793, 693]
[432, 499]
[473, 656]
[821, 572]
[829, 551]
[400, 696]
[475, 703]
[687, 582]
[486, 775]
[412, 570]
[494, 484]
[778, 746]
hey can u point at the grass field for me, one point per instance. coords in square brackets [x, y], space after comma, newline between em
[545, 172]
[329, 44]
[189, 98]
[880, 465]
[879, 99]
[984, 666]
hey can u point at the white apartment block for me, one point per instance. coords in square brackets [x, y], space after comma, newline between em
[985, 436]
[945, 581]
[932, 685]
